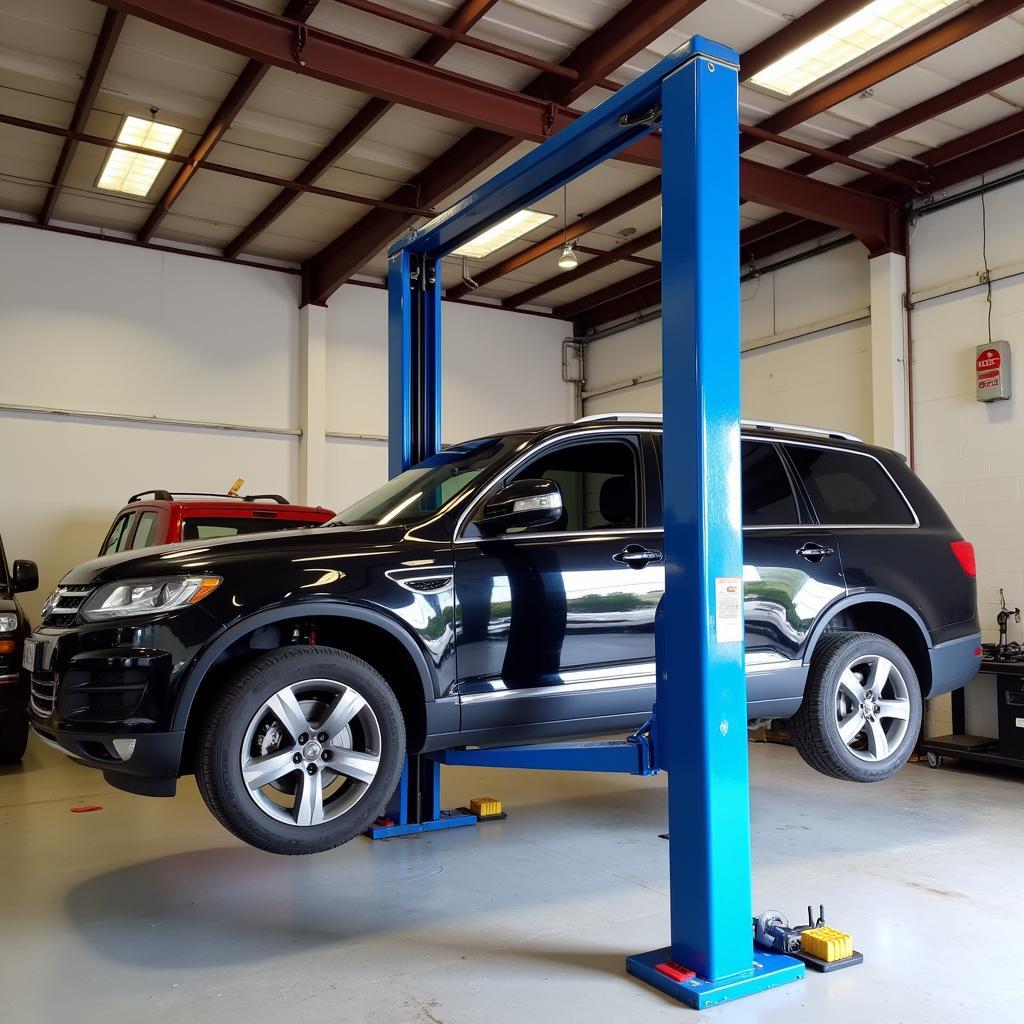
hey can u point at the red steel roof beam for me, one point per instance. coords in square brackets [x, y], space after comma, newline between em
[570, 310]
[452, 36]
[464, 18]
[624, 35]
[936, 106]
[616, 208]
[913, 52]
[637, 244]
[238, 172]
[106, 40]
[251, 76]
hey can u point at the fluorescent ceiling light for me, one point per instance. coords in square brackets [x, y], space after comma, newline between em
[135, 173]
[870, 27]
[502, 233]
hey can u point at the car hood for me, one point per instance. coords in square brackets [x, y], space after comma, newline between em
[218, 557]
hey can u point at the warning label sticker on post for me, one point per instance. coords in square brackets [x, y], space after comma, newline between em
[728, 609]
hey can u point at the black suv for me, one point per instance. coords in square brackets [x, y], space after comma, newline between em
[503, 590]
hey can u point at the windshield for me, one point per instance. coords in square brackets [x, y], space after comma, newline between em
[419, 492]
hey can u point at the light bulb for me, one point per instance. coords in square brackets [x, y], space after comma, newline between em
[567, 261]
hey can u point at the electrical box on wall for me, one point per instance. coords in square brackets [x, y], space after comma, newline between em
[992, 371]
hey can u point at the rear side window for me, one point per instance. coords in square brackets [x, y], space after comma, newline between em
[118, 536]
[847, 489]
[145, 532]
[211, 529]
[767, 495]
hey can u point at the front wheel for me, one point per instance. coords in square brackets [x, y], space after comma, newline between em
[861, 711]
[13, 737]
[302, 750]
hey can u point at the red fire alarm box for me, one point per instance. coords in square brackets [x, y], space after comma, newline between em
[992, 372]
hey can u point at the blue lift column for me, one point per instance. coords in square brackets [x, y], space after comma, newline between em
[701, 709]
[414, 434]
[699, 720]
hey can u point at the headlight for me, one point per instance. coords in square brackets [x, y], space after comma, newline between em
[8, 622]
[142, 597]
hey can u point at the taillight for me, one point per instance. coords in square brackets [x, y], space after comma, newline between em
[964, 551]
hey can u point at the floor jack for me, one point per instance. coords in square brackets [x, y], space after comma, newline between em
[820, 947]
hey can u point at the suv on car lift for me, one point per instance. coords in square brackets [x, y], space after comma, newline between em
[503, 590]
[160, 517]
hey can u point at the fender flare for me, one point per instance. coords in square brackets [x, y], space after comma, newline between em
[306, 609]
[868, 597]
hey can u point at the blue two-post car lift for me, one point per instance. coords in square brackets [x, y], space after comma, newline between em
[698, 730]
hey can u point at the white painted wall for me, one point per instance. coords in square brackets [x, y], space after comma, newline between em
[97, 327]
[501, 370]
[106, 328]
[793, 368]
[970, 454]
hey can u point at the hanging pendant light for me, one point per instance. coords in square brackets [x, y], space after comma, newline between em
[568, 260]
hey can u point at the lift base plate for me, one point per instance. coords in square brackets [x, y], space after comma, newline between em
[448, 819]
[769, 970]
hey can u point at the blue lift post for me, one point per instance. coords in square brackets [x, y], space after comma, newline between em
[698, 728]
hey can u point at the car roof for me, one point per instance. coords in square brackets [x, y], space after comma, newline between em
[239, 508]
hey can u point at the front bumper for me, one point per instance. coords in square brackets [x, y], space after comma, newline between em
[146, 764]
[106, 693]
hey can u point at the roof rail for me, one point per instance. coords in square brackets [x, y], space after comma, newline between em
[159, 495]
[611, 417]
[162, 495]
[765, 425]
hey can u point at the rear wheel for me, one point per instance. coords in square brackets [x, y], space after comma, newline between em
[861, 711]
[302, 751]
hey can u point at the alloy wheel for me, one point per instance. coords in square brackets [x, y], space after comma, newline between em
[872, 707]
[311, 752]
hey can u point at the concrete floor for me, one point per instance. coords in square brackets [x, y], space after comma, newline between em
[146, 909]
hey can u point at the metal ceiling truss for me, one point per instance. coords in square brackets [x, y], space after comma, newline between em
[252, 74]
[502, 117]
[461, 21]
[110, 30]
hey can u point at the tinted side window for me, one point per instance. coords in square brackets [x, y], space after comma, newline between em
[118, 535]
[145, 532]
[767, 495]
[211, 529]
[599, 480]
[847, 489]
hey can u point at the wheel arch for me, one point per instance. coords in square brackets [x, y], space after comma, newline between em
[887, 616]
[414, 687]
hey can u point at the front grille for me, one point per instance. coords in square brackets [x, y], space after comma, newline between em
[62, 608]
[43, 696]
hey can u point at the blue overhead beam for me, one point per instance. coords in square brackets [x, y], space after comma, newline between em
[584, 144]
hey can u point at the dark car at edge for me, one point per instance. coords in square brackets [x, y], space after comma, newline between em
[20, 578]
[502, 591]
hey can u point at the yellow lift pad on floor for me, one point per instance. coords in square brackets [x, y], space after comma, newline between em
[484, 806]
[828, 944]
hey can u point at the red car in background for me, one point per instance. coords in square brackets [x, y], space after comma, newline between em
[160, 517]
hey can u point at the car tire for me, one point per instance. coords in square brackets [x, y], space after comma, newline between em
[849, 727]
[302, 750]
[13, 738]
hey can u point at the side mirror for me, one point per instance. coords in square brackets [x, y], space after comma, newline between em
[524, 503]
[25, 576]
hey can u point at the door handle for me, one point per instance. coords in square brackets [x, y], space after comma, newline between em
[637, 557]
[814, 552]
